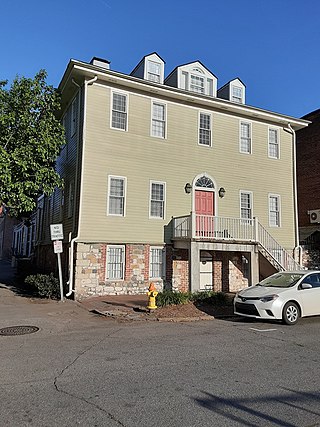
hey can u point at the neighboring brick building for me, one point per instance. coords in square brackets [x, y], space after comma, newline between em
[308, 185]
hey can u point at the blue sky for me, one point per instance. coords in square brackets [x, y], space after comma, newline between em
[271, 45]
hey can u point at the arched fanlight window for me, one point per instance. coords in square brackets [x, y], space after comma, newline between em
[197, 70]
[204, 182]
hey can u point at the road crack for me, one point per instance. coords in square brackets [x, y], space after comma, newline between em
[83, 399]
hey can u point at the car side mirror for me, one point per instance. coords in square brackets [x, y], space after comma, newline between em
[306, 286]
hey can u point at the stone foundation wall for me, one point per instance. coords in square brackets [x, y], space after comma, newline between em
[227, 272]
[236, 279]
[90, 271]
[180, 270]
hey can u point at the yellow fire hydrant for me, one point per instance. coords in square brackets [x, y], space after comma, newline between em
[152, 297]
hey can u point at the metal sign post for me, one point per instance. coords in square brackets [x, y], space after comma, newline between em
[56, 231]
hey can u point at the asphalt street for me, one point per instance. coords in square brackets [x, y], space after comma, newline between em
[86, 370]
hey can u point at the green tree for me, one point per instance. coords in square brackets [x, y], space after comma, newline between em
[30, 141]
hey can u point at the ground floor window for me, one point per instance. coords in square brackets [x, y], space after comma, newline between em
[156, 263]
[115, 262]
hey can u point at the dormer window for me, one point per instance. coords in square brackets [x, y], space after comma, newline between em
[196, 83]
[151, 68]
[236, 94]
[194, 77]
[154, 71]
[234, 91]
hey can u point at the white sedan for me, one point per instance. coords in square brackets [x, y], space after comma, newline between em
[283, 296]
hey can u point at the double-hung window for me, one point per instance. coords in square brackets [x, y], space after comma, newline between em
[246, 204]
[273, 143]
[245, 137]
[115, 262]
[157, 200]
[154, 71]
[158, 126]
[197, 83]
[116, 197]
[274, 210]
[236, 94]
[205, 129]
[119, 116]
[156, 263]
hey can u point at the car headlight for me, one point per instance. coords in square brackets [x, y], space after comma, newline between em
[269, 298]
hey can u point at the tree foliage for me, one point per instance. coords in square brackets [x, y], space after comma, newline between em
[30, 140]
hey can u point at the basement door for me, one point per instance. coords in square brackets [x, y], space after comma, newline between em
[204, 204]
[206, 271]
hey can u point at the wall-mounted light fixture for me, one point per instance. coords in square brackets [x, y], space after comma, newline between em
[188, 188]
[222, 192]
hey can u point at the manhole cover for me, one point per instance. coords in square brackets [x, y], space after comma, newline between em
[18, 330]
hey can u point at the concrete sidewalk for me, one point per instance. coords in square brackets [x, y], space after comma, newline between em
[16, 304]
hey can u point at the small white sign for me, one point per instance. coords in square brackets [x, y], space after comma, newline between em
[57, 247]
[56, 231]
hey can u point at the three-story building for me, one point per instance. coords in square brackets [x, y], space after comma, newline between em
[169, 180]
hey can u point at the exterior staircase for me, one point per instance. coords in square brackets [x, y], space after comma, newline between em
[235, 230]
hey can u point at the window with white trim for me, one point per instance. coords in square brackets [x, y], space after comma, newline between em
[158, 126]
[154, 71]
[246, 204]
[116, 197]
[236, 94]
[115, 262]
[205, 129]
[156, 262]
[245, 137]
[274, 210]
[197, 83]
[273, 143]
[119, 111]
[157, 200]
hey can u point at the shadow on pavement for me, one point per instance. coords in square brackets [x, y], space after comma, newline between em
[9, 280]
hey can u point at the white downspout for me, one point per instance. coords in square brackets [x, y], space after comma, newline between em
[70, 281]
[297, 243]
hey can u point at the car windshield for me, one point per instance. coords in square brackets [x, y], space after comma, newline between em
[281, 280]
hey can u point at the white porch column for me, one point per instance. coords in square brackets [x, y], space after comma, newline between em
[254, 267]
[194, 267]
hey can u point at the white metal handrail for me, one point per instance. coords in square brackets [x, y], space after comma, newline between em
[206, 227]
[276, 251]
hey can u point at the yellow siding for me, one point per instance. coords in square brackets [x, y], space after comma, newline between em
[176, 160]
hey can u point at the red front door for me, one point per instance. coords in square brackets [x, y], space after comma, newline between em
[204, 204]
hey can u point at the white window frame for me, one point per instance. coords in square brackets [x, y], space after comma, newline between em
[250, 209]
[163, 258]
[155, 78]
[272, 128]
[278, 222]
[118, 92]
[163, 201]
[123, 263]
[198, 77]
[234, 98]
[199, 128]
[248, 139]
[124, 197]
[164, 121]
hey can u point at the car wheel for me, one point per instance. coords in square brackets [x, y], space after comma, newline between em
[291, 313]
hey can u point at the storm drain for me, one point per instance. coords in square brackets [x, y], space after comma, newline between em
[18, 330]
